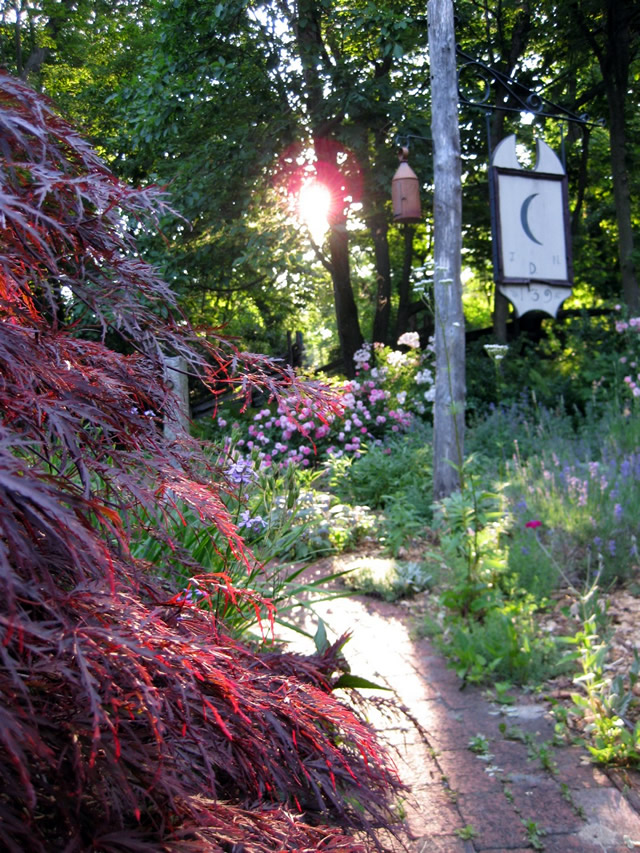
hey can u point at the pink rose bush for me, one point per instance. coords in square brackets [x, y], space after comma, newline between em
[391, 388]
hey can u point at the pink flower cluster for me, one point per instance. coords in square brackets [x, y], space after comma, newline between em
[632, 384]
[631, 323]
[282, 437]
[629, 328]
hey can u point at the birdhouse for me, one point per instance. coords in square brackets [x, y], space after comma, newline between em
[405, 192]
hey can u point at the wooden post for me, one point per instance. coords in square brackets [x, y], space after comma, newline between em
[176, 415]
[448, 450]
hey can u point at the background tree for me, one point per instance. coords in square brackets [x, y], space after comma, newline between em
[226, 119]
[543, 48]
[500, 37]
[316, 84]
[609, 30]
[80, 53]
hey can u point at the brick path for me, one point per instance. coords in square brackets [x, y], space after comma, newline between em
[511, 801]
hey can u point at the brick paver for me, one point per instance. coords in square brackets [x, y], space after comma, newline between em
[509, 800]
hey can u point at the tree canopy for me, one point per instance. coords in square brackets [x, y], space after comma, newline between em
[234, 106]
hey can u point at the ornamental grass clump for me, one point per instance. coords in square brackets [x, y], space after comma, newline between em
[130, 720]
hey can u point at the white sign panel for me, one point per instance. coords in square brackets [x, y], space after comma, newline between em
[532, 254]
[531, 217]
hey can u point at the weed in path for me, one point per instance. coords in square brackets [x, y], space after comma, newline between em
[480, 745]
[535, 834]
[466, 833]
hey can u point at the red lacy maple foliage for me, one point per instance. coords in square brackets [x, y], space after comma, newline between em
[129, 720]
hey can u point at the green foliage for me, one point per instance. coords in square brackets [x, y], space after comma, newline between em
[503, 642]
[281, 523]
[585, 505]
[491, 632]
[395, 478]
[388, 579]
[80, 54]
[605, 702]
[479, 744]
[575, 361]
[535, 834]
[525, 422]
[402, 465]
[328, 526]
[470, 521]
[531, 566]
[467, 832]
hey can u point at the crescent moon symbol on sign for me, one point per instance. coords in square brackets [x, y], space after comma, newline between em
[524, 218]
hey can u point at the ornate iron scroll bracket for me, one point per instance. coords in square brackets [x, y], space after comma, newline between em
[520, 99]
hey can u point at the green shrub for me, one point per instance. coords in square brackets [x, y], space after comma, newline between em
[505, 644]
[281, 523]
[388, 579]
[401, 465]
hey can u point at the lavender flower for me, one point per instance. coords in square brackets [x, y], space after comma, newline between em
[241, 471]
[255, 522]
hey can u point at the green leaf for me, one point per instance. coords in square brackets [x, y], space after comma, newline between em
[356, 681]
[320, 638]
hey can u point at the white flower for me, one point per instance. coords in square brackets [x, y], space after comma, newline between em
[496, 351]
[363, 354]
[401, 397]
[396, 358]
[424, 376]
[409, 339]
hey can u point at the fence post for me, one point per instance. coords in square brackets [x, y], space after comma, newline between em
[176, 413]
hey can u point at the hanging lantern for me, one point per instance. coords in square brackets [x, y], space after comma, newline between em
[405, 192]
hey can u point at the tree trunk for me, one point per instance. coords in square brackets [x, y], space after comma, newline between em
[614, 54]
[347, 321]
[583, 178]
[404, 288]
[448, 451]
[622, 198]
[614, 63]
[349, 333]
[378, 227]
[500, 316]
[313, 56]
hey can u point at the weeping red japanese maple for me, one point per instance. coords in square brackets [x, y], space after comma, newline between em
[128, 719]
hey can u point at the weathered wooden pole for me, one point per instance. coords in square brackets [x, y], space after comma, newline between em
[448, 450]
[176, 416]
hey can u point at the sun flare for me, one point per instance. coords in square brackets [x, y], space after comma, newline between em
[314, 202]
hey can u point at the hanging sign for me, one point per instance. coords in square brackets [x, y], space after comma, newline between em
[530, 214]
